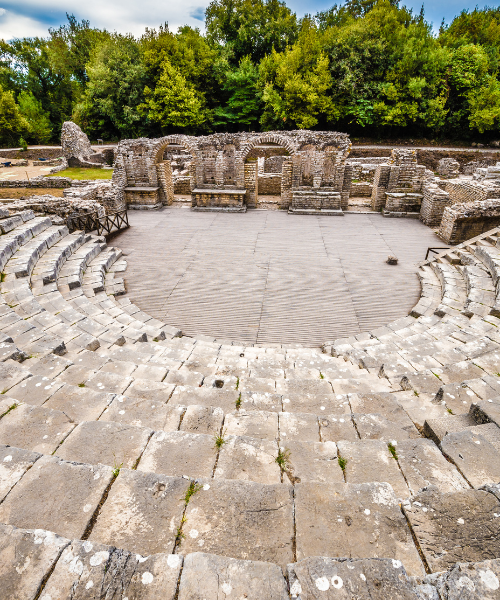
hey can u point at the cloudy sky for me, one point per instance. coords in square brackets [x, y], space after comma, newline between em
[24, 18]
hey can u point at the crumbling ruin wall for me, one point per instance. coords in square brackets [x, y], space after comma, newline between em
[464, 221]
[76, 148]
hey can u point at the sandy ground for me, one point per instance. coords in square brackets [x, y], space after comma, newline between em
[30, 172]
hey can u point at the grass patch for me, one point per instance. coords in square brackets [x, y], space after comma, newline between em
[321, 376]
[11, 407]
[219, 440]
[342, 463]
[81, 385]
[283, 460]
[237, 383]
[116, 468]
[18, 193]
[450, 411]
[238, 402]
[2, 278]
[180, 535]
[392, 450]
[82, 174]
[193, 489]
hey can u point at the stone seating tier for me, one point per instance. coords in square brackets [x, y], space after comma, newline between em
[176, 467]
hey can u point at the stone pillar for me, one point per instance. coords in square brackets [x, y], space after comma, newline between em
[219, 168]
[251, 183]
[286, 183]
[165, 181]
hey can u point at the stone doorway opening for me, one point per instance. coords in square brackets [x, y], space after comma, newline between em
[181, 160]
[269, 158]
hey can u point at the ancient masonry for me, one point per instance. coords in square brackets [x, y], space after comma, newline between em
[137, 463]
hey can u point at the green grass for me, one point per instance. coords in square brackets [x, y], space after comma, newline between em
[238, 402]
[342, 463]
[80, 174]
[392, 450]
[283, 460]
[191, 491]
[219, 440]
[11, 407]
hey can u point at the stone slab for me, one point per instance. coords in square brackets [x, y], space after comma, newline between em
[423, 464]
[35, 390]
[143, 412]
[356, 520]
[179, 453]
[150, 390]
[26, 558]
[80, 404]
[334, 428]
[187, 395]
[252, 423]
[11, 374]
[383, 404]
[298, 427]
[261, 401]
[65, 495]
[35, 428]
[313, 461]
[142, 512]
[370, 460]
[108, 382]
[212, 577]
[112, 444]
[202, 419]
[86, 570]
[14, 462]
[456, 527]
[319, 578]
[240, 519]
[248, 459]
[378, 427]
[475, 457]
[468, 581]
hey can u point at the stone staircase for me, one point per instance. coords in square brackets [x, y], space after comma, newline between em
[139, 463]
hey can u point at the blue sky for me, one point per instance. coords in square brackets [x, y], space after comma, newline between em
[23, 18]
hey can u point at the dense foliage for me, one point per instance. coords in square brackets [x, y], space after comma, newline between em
[368, 67]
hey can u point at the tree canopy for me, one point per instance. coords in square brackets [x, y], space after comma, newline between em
[371, 67]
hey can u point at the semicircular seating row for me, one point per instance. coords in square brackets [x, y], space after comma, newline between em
[204, 461]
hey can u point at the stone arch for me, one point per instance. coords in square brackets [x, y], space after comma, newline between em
[181, 140]
[270, 138]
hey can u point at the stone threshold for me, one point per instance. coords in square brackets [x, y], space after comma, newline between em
[310, 211]
[225, 209]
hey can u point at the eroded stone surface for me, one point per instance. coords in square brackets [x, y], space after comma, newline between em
[65, 495]
[142, 512]
[468, 581]
[110, 444]
[371, 460]
[86, 569]
[211, 577]
[80, 404]
[203, 419]
[143, 412]
[348, 578]
[241, 519]
[313, 461]
[357, 520]
[423, 464]
[253, 423]
[26, 558]
[249, 459]
[455, 527]
[178, 453]
[35, 427]
[14, 462]
[298, 426]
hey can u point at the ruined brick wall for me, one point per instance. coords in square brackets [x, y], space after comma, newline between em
[270, 184]
[464, 221]
[434, 202]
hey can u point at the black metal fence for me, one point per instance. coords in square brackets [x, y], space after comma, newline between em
[435, 251]
[102, 225]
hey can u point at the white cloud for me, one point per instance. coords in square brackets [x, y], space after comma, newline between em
[12, 25]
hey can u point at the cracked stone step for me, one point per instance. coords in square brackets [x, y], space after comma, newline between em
[371, 460]
[34, 427]
[248, 459]
[178, 453]
[423, 464]
[255, 424]
[79, 404]
[222, 577]
[84, 569]
[142, 513]
[436, 429]
[35, 390]
[455, 527]
[357, 520]
[312, 461]
[143, 413]
[26, 559]
[476, 456]
[14, 462]
[318, 578]
[376, 426]
[65, 495]
[240, 519]
[486, 411]
[110, 444]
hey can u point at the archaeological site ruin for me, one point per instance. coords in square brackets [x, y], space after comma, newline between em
[213, 387]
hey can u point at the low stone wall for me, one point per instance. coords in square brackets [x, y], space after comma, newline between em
[218, 198]
[182, 186]
[361, 189]
[464, 221]
[38, 182]
[315, 199]
[269, 184]
[464, 190]
[403, 202]
[59, 207]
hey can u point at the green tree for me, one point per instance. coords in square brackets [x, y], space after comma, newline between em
[295, 83]
[485, 107]
[244, 105]
[39, 126]
[174, 103]
[117, 76]
[12, 124]
[250, 27]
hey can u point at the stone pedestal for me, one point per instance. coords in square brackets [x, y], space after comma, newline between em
[218, 200]
[143, 198]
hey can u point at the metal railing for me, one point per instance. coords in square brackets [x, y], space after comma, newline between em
[435, 251]
[103, 225]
